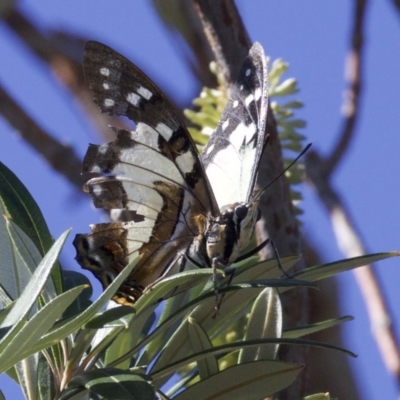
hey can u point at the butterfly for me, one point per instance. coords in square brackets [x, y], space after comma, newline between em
[198, 208]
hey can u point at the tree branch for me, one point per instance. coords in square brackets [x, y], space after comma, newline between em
[66, 67]
[351, 104]
[61, 157]
[319, 172]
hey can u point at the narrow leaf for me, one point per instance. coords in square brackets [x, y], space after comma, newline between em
[114, 384]
[265, 322]
[200, 341]
[20, 206]
[326, 270]
[248, 381]
[26, 258]
[35, 328]
[70, 326]
[28, 297]
[312, 328]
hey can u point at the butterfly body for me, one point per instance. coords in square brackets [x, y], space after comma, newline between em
[191, 208]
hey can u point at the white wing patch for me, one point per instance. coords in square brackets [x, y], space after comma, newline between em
[249, 99]
[133, 98]
[145, 92]
[185, 162]
[109, 102]
[104, 71]
[165, 131]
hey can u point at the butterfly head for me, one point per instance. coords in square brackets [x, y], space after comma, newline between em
[230, 233]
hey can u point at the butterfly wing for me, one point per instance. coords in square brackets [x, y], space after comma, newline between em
[154, 171]
[232, 154]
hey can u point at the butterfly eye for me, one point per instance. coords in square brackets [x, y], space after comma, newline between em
[258, 214]
[241, 212]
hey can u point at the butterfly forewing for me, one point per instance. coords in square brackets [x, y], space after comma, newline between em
[233, 152]
[121, 88]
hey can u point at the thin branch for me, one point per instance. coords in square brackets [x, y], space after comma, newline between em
[396, 3]
[66, 68]
[182, 19]
[320, 170]
[226, 35]
[351, 104]
[351, 245]
[60, 156]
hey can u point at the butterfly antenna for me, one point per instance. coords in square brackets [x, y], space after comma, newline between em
[253, 251]
[283, 172]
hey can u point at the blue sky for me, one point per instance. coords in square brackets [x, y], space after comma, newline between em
[313, 38]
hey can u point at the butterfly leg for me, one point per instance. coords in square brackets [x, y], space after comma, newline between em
[218, 302]
[279, 260]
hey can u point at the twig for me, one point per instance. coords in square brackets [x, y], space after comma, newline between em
[226, 35]
[350, 107]
[60, 156]
[351, 245]
[67, 69]
[183, 19]
[319, 172]
[396, 3]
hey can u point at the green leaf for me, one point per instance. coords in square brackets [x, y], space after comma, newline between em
[114, 384]
[109, 316]
[175, 283]
[120, 346]
[177, 286]
[326, 270]
[45, 382]
[27, 376]
[265, 322]
[35, 328]
[65, 328]
[25, 259]
[289, 86]
[139, 328]
[248, 381]
[200, 341]
[81, 343]
[23, 305]
[312, 328]
[14, 275]
[20, 206]
[233, 306]
[73, 279]
[231, 347]
[318, 396]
